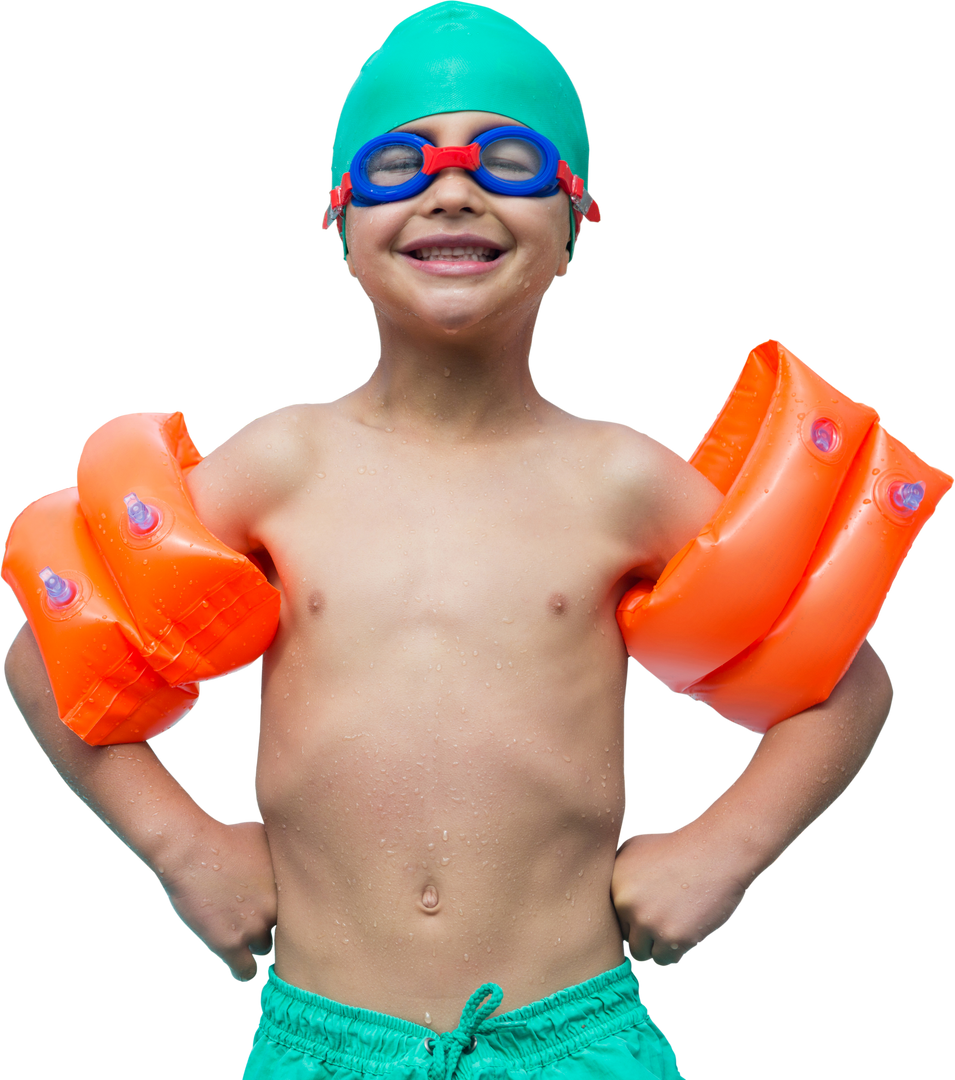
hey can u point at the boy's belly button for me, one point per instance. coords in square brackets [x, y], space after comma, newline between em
[430, 901]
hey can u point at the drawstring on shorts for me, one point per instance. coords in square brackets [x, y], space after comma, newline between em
[448, 1047]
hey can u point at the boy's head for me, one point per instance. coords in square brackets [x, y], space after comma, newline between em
[457, 57]
[456, 257]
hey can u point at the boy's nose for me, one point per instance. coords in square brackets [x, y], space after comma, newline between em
[452, 188]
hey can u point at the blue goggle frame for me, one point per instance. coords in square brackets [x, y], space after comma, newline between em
[366, 193]
[553, 175]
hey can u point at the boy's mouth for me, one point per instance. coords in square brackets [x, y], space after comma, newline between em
[453, 255]
[465, 253]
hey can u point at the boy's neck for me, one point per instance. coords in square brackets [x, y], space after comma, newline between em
[453, 385]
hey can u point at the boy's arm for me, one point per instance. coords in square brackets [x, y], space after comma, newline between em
[218, 877]
[671, 890]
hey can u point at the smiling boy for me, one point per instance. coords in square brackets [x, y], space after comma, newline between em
[440, 767]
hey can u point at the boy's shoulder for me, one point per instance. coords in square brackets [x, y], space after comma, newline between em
[257, 468]
[632, 462]
[650, 498]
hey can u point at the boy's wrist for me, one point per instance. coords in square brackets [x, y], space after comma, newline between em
[739, 843]
[181, 843]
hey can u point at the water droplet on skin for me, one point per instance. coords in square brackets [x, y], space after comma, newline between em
[321, 476]
[361, 469]
[447, 372]
[427, 1018]
[685, 885]
[466, 957]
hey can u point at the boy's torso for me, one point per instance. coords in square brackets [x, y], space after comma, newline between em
[440, 767]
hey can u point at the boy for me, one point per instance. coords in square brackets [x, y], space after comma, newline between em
[451, 549]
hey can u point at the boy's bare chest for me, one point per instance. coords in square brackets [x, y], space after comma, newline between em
[410, 539]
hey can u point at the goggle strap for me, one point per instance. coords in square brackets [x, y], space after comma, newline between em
[585, 205]
[337, 199]
[569, 183]
[583, 202]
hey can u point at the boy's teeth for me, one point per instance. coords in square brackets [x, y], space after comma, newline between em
[476, 254]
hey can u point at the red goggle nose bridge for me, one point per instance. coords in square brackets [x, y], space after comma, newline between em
[437, 158]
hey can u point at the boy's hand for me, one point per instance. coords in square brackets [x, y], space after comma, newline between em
[669, 892]
[225, 892]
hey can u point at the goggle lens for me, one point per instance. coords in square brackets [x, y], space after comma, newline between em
[389, 166]
[514, 160]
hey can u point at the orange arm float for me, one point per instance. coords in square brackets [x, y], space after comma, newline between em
[105, 691]
[761, 614]
[150, 602]
[202, 608]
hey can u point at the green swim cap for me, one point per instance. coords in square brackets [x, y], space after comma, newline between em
[456, 57]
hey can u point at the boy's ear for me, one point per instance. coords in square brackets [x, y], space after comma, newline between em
[564, 261]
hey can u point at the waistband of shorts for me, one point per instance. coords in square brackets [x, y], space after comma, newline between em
[531, 1036]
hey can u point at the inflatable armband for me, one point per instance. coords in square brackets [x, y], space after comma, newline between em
[105, 691]
[197, 602]
[131, 599]
[761, 614]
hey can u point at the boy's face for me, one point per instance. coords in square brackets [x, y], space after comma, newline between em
[390, 246]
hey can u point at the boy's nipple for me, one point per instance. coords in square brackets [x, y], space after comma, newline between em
[429, 899]
[558, 603]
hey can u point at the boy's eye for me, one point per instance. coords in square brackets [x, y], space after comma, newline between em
[389, 166]
[512, 159]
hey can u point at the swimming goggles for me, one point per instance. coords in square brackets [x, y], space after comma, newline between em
[505, 161]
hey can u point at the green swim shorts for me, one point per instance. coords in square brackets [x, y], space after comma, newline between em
[596, 1029]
